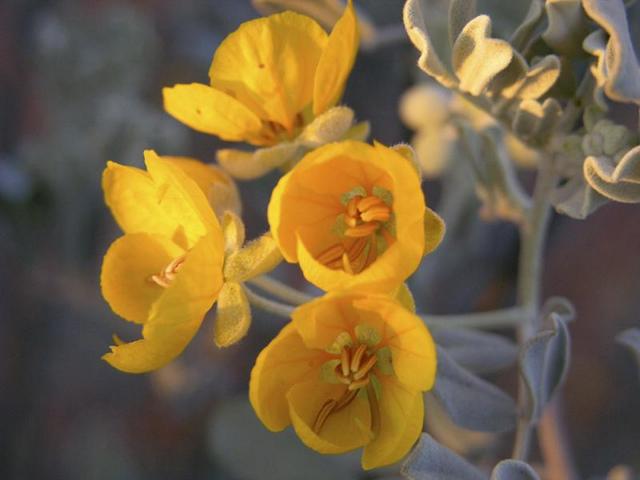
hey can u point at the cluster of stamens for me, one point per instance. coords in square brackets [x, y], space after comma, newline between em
[168, 273]
[364, 218]
[354, 371]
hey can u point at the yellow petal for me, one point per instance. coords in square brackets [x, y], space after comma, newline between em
[434, 230]
[280, 365]
[336, 61]
[401, 421]
[405, 297]
[131, 195]
[181, 200]
[257, 257]
[343, 430]
[268, 65]
[216, 185]
[412, 347]
[126, 270]
[233, 317]
[212, 111]
[178, 313]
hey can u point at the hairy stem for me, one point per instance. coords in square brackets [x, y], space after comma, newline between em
[533, 233]
[280, 290]
[271, 306]
[507, 317]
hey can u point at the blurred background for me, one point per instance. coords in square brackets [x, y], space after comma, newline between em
[80, 84]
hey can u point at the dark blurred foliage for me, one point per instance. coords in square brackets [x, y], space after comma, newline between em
[80, 83]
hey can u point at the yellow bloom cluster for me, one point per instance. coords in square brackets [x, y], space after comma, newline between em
[350, 369]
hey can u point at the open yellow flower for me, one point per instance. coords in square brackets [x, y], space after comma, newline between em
[165, 273]
[353, 214]
[349, 371]
[269, 79]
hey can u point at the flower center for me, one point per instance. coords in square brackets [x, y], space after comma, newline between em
[366, 228]
[356, 356]
[168, 273]
[353, 370]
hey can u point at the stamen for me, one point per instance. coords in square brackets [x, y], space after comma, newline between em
[323, 414]
[345, 400]
[363, 230]
[357, 357]
[364, 369]
[331, 254]
[359, 384]
[368, 202]
[374, 408]
[345, 362]
[376, 214]
[352, 206]
[356, 249]
[346, 265]
[168, 273]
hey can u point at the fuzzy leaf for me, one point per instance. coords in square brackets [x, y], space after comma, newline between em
[328, 127]
[250, 165]
[537, 80]
[477, 58]
[617, 70]
[527, 119]
[631, 338]
[576, 198]
[619, 182]
[434, 230]
[431, 461]
[470, 401]
[233, 315]
[513, 470]
[478, 352]
[461, 12]
[255, 258]
[523, 34]
[233, 231]
[414, 14]
[567, 26]
[544, 362]
[360, 132]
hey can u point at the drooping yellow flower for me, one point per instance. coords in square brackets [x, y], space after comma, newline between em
[349, 371]
[353, 214]
[166, 272]
[269, 79]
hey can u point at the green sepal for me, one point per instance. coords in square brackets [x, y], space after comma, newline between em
[367, 335]
[358, 191]
[328, 371]
[340, 226]
[383, 194]
[342, 340]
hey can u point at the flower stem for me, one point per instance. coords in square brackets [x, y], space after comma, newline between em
[507, 317]
[280, 290]
[271, 306]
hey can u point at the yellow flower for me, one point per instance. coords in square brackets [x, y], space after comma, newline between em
[166, 271]
[269, 79]
[349, 371]
[353, 214]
